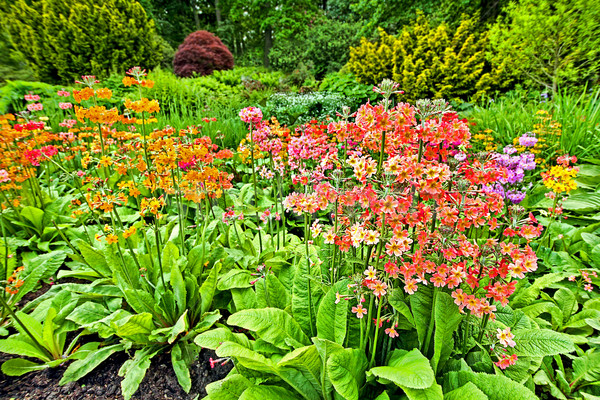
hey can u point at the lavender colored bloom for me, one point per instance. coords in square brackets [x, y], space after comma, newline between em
[515, 196]
[528, 140]
[460, 156]
[510, 149]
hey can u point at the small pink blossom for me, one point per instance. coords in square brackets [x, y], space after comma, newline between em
[65, 106]
[35, 107]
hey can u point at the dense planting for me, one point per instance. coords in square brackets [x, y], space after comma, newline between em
[381, 253]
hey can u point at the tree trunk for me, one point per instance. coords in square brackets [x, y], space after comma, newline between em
[196, 18]
[218, 12]
[268, 45]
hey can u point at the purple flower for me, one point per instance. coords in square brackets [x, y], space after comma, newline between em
[528, 140]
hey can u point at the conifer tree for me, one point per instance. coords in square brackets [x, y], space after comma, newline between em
[63, 39]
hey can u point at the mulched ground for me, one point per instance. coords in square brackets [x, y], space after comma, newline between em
[104, 384]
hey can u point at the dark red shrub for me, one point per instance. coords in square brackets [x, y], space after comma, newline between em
[201, 52]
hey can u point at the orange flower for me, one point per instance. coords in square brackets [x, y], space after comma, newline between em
[111, 238]
[149, 106]
[104, 93]
[83, 94]
[128, 232]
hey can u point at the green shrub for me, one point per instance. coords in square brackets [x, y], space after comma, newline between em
[550, 43]
[63, 39]
[323, 47]
[291, 108]
[346, 84]
[429, 61]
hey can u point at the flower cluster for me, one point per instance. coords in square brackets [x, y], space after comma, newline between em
[561, 178]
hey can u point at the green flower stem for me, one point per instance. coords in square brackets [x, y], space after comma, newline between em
[158, 246]
[375, 340]
[255, 191]
[431, 323]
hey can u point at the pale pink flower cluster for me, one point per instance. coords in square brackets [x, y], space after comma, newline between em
[65, 106]
[251, 115]
[35, 106]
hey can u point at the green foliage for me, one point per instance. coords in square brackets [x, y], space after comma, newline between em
[75, 37]
[301, 108]
[551, 44]
[323, 46]
[429, 61]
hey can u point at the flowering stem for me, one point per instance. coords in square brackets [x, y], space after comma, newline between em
[484, 323]
[431, 323]
[466, 333]
[364, 345]
[179, 211]
[372, 363]
[255, 191]
[5, 250]
[204, 225]
[157, 236]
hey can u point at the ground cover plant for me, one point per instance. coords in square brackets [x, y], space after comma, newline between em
[380, 253]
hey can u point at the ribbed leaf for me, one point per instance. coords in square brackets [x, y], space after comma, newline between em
[525, 296]
[19, 366]
[272, 325]
[587, 368]
[447, 319]
[264, 392]
[230, 388]
[332, 318]
[468, 391]
[134, 370]
[307, 361]
[81, 368]
[421, 304]
[541, 342]
[213, 338]
[21, 348]
[495, 387]
[346, 372]
[407, 369]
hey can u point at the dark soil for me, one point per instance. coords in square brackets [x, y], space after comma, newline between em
[104, 384]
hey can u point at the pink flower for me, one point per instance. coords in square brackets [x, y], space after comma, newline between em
[392, 332]
[4, 176]
[35, 107]
[32, 97]
[360, 311]
[65, 106]
[506, 337]
[251, 115]
[63, 93]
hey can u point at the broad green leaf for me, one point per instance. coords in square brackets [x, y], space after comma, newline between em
[468, 391]
[304, 300]
[44, 265]
[270, 292]
[32, 325]
[244, 299]
[140, 300]
[587, 368]
[307, 361]
[230, 388]
[136, 327]
[255, 361]
[94, 258]
[178, 285]
[235, 279]
[400, 306]
[213, 338]
[272, 325]
[433, 392]
[421, 303]
[50, 341]
[19, 366]
[170, 256]
[346, 371]
[383, 396]
[134, 370]
[88, 313]
[264, 392]
[332, 318]
[208, 288]
[22, 348]
[81, 368]
[495, 387]
[407, 369]
[566, 301]
[447, 319]
[541, 342]
[180, 326]
[541, 379]
[182, 372]
[33, 215]
[579, 320]
[525, 296]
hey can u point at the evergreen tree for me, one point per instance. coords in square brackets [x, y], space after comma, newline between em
[63, 39]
